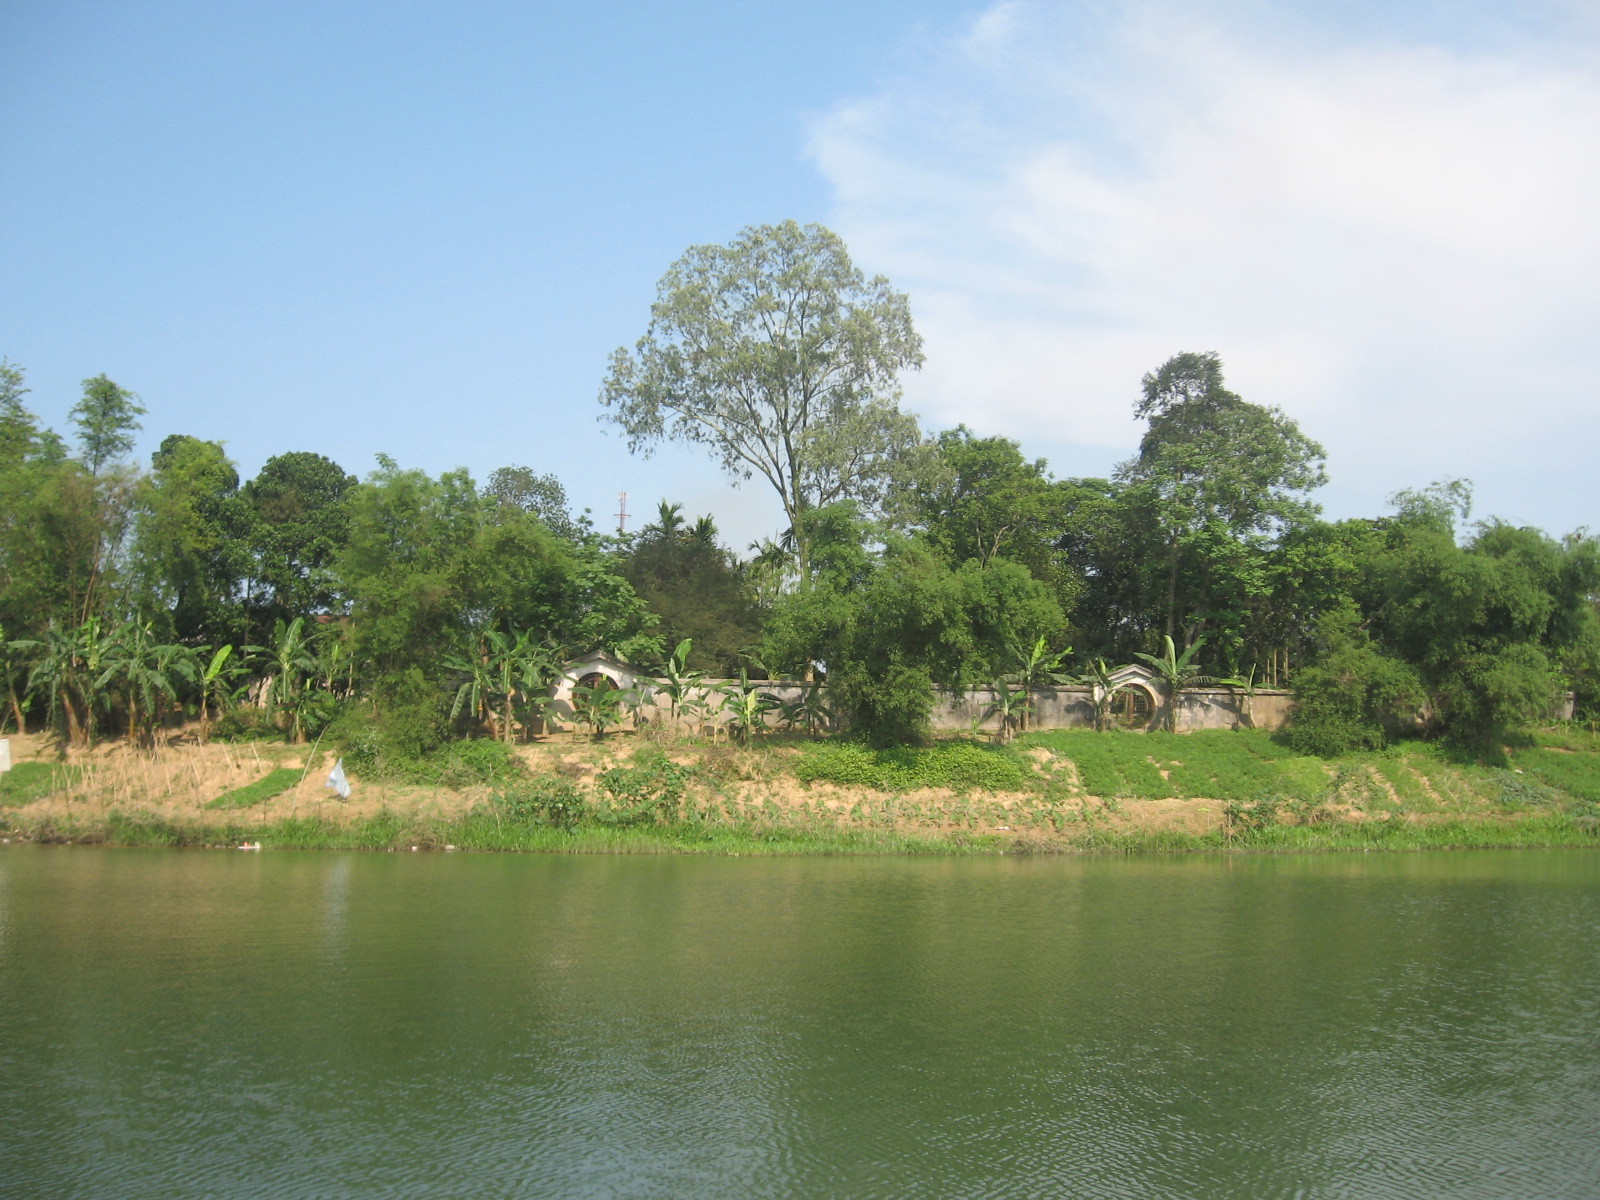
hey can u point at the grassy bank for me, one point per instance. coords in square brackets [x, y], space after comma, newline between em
[1058, 792]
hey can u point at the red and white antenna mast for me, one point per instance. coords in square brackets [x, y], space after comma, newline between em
[622, 513]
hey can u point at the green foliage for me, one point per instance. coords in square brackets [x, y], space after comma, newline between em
[1176, 672]
[957, 765]
[649, 791]
[547, 800]
[107, 417]
[891, 630]
[1354, 698]
[978, 498]
[275, 783]
[245, 723]
[781, 358]
[298, 525]
[696, 588]
[889, 706]
[1220, 477]
[394, 735]
[431, 563]
[190, 540]
[1518, 791]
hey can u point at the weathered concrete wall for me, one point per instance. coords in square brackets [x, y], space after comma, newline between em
[1073, 708]
[1053, 708]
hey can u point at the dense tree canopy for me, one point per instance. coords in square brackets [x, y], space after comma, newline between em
[128, 595]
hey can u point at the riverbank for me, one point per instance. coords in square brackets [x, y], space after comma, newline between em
[1059, 792]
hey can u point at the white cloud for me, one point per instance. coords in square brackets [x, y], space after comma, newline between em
[1395, 241]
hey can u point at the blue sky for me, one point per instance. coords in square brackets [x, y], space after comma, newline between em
[419, 229]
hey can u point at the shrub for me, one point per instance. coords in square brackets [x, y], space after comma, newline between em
[649, 790]
[245, 723]
[891, 709]
[548, 800]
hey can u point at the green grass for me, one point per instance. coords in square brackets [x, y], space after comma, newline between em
[961, 766]
[481, 831]
[274, 783]
[1576, 773]
[30, 781]
[1210, 764]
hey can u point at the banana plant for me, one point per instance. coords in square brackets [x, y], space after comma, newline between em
[476, 692]
[679, 686]
[146, 672]
[537, 666]
[217, 681]
[746, 706]
[66, 665]
[13, 660]
[599, 706]
[810, 710]
[1243, 688]
[1176, 672]
[1103, 691]
[1011, 704]
[1035, 669]
[291, 662]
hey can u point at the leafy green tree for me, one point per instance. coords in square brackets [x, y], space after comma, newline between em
[891, 628]
[107, 417]
[190, 542]
[978, 498]
[782, 358]
[695, 586]
[1222, 477]
[541, 495]
[429, 561]
[298, 526]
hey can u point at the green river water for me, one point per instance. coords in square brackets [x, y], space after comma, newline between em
[283, 1024]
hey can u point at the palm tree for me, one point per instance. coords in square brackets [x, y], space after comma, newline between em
[667, 525]
[1176, 671]
[704, 532]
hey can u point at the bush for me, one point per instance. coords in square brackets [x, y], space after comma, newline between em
[650, 790]
[245, 723]
[548, 800]
[1354, 696]
[891, 709]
